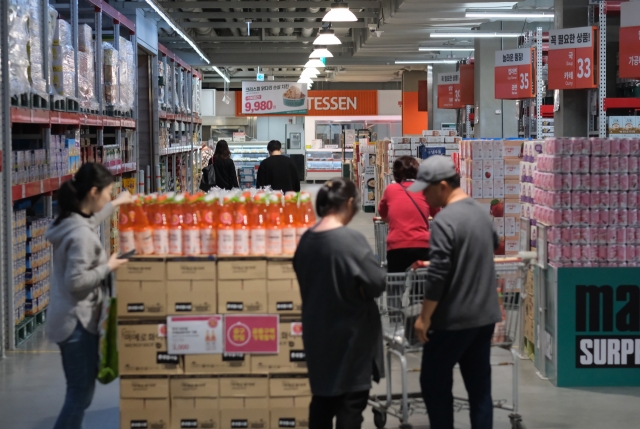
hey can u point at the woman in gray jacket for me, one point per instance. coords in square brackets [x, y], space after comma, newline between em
[80, 271]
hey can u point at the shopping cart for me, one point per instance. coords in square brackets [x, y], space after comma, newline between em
[381, 229]
[399, 306]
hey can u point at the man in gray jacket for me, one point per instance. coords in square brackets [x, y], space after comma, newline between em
[460, 306]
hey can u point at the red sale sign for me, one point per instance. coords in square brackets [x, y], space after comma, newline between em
[252, 333]
[629, 59]
[449, 91]
[573, 58]
[514, 74]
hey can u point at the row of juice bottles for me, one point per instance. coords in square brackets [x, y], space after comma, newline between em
[253, 222]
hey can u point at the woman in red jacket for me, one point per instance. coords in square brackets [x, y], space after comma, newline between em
[407, 214]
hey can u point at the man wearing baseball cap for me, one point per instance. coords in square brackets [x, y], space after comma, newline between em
[460, 306]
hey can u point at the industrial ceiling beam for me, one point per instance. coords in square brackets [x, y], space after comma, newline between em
[259, 15]
[281, 40]
[257, 4]
[223, 25]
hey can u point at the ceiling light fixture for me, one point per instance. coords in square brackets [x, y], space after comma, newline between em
[327, 37]
[473, 34]
[314, 62]
[509, 14]
[309, 74]
[160, 11]
[339, 13]
[222, 75]
[428, 61]
[306, 80]
[444, 48]
[321, 52]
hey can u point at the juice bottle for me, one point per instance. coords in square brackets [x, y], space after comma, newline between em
[290, 223]
[208, 228]
[307, 217]
[175, 225]
[191, 226]
[142, 231]
[257, 222]
[149, 205]
[241, 227]
[125, 228]
[225, 227]
[160, 225]
[274, 225]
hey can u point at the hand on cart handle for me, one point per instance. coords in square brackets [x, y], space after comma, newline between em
[419, 264]
[377, 219]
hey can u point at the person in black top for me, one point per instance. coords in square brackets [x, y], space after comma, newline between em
[278, 171]
[226, 175]
[342, 333]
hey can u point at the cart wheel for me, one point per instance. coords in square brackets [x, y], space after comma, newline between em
[516, 422]
[379, 418]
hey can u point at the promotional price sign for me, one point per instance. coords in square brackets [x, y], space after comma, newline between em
[630, 40]
[274, 98]
[195, 335]
[573, 58]
[449, 91]
[515, 74]
[252, 333]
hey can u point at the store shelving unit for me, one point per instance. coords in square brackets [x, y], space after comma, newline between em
[530, 118]
[324, 164]
[97, 125]
[247, 157]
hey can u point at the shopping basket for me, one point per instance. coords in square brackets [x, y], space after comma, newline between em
[401, 303]
[381, 229]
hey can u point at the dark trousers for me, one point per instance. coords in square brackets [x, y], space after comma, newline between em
[398, 260]
[347, 409]
[80, 362]
[471, 348]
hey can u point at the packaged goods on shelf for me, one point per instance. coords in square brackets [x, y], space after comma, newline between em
[86, 68]
[111, 63]
[587, 197]
[64, 65]
[127, 74]
[195, 96]
[244, 399]
[195, 402]
[52, 19]
[36, 61]
[161, 84]
[19, 263]
[18, 42]
[620, 127]
[144, 402]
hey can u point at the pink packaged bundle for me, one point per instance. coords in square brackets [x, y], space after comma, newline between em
[614, 202]
[631, 234]
[558, 234]
[633, 181]
[625, 147]
[633, 164]
[579, 164]
[580, 217]
[594, 164]
[605, 164]
[634, 147]
[632, 199]
[567, 252]
[554, 252]
[614, 164]
[580, 199]
[621, 235]
[614, 181]
[577, 235]
[624, 181]
[604, 217]
[619, 217]
[594, 216]
[612, 252]
[600, 147]
[590, 252]
[576, 252]
[615, 147]
[602, 252]
[611, 235]
[623, 164]
[590, 234]
[601, 234]
[600, 182]
[552, 181]
[632, 218]
[552, 146]
[581, 146]
[579, 182]
[595, 199]
[623, 200]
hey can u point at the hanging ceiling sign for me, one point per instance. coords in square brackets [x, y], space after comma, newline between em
[259, 98]
[573, 58]
[467, 93]
[449, 91]
[514, 74]
[629, 40]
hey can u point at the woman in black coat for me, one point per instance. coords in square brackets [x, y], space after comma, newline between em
[226, 174]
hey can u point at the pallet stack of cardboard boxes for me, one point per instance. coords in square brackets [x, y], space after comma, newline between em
[219, 390]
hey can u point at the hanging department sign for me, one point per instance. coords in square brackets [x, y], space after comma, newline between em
[629, 58]
[274, 98]
[449, 91]
[573, 58]
[514, 74]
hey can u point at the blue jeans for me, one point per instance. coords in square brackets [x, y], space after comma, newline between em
[471, 348]
[80, 363]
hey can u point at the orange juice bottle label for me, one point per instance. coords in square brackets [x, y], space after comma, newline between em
[258, 241]
[288, 241]
[241, 242]
[225, 242]
[274, 242]
[127, 241]
[208, 241]
[144, 241]
[175, 241]
[160, 241]
[190, 242]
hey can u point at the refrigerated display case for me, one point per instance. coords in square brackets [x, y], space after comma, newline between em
[324, 164]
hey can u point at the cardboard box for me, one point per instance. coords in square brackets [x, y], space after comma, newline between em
[280, 270]
[511, 226]
[487, 169]
[477, 150]
[476, 189]
[487, 188]
[291, 359]
[498, 188]
[512, 246]
[244, 413]
[142, 298]
[289, 386]
[214, 364]
[511, 188]
[142, 349]
[192, 297]
[283, 297]
[511, 169]
[144, 403]
[498, 169]
[487, 149]
[290, 411]
[476, 169]
[195, 413]
[242, 269]
[250, 386]
[194, 387]
[142, 270]
[498, 224]
[512, 207]
[512, 149]
[242, 296]
[498, 149]
[190, 270]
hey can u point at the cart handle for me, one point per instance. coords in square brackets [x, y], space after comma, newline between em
[377, 219]
[522, 257]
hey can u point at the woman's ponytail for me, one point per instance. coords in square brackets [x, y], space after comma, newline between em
[73, 191]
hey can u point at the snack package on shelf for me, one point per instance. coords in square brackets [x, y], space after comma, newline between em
[18, 41]
[64, 65]
[126, 75]
[36, 63]
[111, 62]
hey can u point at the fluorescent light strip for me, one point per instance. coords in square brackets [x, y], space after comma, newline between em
[169, 21]
[445, 48]
[222, 75]
[428, 61]
[473, 34]
[505, 14]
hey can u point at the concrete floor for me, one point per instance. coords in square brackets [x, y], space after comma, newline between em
[32, 391]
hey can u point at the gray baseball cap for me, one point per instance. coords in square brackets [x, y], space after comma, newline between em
[434, 169]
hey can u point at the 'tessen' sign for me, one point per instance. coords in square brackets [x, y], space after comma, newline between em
[449, 91]
[573, 58]
[515, 74]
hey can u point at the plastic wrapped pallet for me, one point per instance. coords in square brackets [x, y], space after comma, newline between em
[86, 68]
[36, 59]
[126, 74]
[64, 64]
[195, 95]
[18, 40]
[161, 104]
[176, 98]
[52, 21]
[111, 61]
[169, 89]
